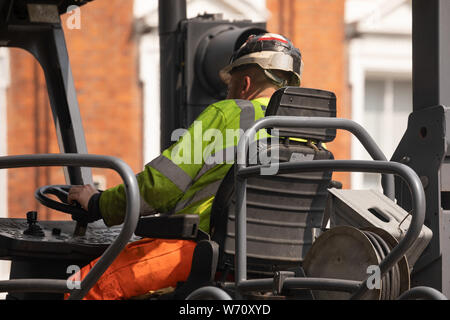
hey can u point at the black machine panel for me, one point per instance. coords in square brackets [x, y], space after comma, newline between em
[57, 241]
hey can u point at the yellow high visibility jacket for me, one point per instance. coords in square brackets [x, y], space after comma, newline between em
[185, 177]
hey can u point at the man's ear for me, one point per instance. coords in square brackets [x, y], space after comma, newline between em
[246, 84]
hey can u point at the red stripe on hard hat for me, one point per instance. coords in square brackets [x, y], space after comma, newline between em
[272, 38]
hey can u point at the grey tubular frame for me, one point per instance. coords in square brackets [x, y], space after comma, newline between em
[335, 123]
[128, 228]
[424, 293]
[208, 293]
[378, 165]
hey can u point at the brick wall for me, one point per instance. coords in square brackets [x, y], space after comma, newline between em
[103, 56]
[317, 28]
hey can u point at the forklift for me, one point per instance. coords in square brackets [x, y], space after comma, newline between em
[311, 241]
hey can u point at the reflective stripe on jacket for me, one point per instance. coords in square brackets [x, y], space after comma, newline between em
[187, 175]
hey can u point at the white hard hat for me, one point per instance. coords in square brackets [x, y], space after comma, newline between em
[271, 52]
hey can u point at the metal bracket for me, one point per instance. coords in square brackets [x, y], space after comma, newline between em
[278, 280]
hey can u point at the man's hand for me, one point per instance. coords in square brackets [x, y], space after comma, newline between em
[81, 194]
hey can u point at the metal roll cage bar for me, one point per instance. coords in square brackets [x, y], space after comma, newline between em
[378, 165]
[130, 222]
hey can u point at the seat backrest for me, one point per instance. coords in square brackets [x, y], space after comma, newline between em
[283, 211]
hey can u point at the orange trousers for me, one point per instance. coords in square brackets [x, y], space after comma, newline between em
[143, 266]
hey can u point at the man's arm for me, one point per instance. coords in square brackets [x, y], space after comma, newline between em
[164, 180]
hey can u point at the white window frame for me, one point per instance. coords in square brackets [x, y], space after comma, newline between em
[4, 83]
[364, 64]
[5, 266]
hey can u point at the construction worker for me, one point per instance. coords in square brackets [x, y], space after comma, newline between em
[183, 180]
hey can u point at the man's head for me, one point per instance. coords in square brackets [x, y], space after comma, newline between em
[249, 82]
[263, 64]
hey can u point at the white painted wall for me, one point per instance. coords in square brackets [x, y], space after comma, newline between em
[147, 10]
[4, 83]
[149, 75]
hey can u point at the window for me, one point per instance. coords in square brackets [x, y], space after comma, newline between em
[387, 105]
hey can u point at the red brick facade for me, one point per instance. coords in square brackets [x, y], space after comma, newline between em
[104, 62]
[317, 28]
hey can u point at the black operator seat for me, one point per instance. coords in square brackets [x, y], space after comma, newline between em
[284, 211]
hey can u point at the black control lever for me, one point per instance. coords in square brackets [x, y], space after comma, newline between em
[33, 228]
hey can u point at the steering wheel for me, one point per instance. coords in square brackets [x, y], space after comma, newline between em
[61, 192]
